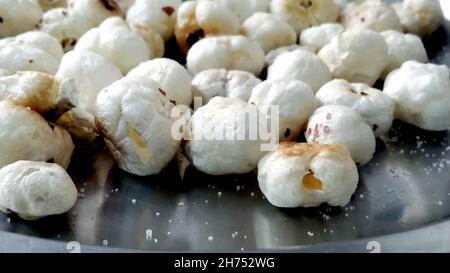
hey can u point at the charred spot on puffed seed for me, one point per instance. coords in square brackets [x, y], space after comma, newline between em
[308, 132]
[173, 102]
[329, 116]
[316, 133]
[1, 20]
[375, 127]
[110, 5]
[352, 90]
[287, 133]
[68, 41]
[38, 25]
[194, 37]
[364, 94]
[168, 10]
[305, 3]
[162, 91]
[363, 19]
[64, 13]
[30, 61]
[326, 129]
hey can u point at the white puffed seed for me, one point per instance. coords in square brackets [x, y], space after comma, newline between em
[296, 102]
[274, 54]
[30, 51]
[199, 19]
[36, 189]
[39, 91]
[220, 82]
[134, 118]
[319, 36]
[372, 14]
[374, 106]
[25, 135]
[40, 40]
[356, 56]
[421, 17]
[93, 11]
[336, 124]
[172, 78]
[92, 72]
[307, 175]
[269, 31]
[70, 23]
[159, 15]
[422, 94]
[302, 14]
[17, 16]
[213, 155]
[227, 52]
[300, 65]
[402, 48]
[247, 8]
[67, 29]
[115, 40]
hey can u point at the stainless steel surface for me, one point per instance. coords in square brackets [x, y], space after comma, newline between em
[402, 202]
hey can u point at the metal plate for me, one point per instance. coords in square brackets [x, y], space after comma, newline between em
[402, 202]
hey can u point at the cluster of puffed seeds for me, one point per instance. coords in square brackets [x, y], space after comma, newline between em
[94, 69]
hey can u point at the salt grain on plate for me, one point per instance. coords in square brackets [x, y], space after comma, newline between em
[148, 234]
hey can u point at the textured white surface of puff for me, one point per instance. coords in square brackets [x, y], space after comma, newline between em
[422, 94]
[307, 175]
[337, 124]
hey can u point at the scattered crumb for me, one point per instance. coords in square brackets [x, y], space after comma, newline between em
[148, 234]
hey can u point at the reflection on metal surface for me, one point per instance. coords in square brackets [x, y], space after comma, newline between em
[405, 187]
[445, 4]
